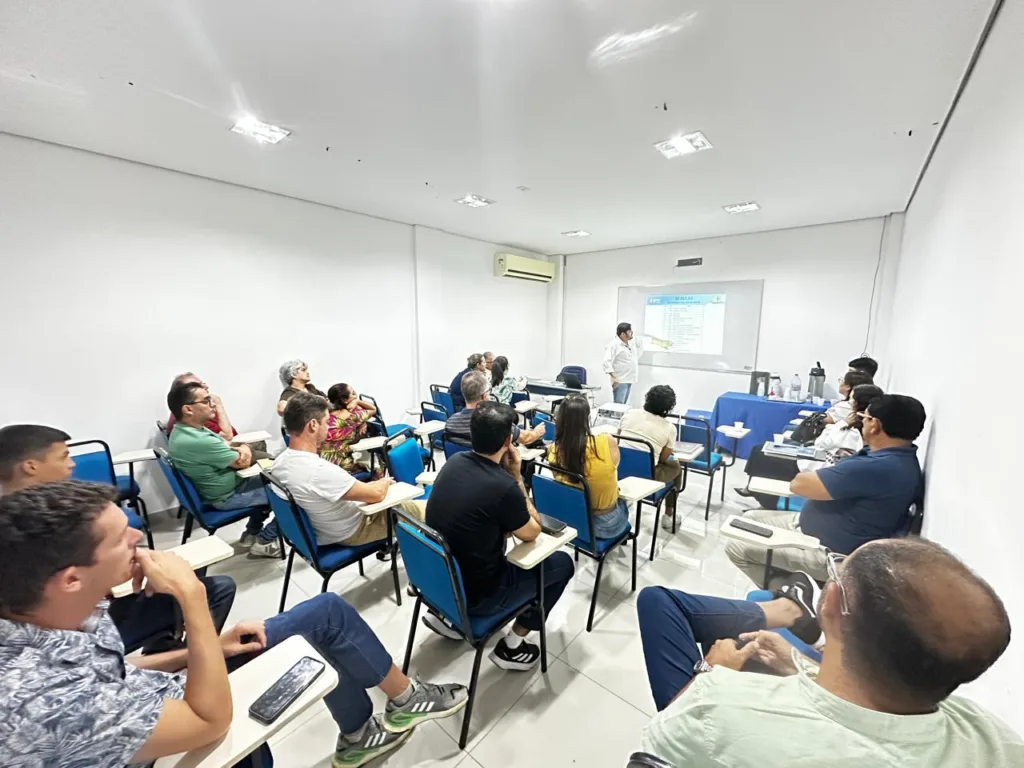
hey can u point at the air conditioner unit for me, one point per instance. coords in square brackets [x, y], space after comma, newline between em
[523, 268]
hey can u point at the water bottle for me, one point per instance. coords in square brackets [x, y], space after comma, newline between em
[775, 387]
[795, 387]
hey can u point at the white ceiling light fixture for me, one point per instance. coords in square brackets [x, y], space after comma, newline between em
[686, 144]
[475, 201]
[264, 133]
[748, 207]
[577, 233]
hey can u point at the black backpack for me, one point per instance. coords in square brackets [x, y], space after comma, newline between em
[809, 429]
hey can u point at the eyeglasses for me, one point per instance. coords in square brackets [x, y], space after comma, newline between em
[208, 400]
[832, 562]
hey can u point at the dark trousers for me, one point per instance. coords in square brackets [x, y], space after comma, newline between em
[675, 626]
[153, 621]
[518, 585]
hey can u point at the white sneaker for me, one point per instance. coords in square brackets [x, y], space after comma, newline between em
[269, 549]
[247, 540]
[666, 523]
[441, 627]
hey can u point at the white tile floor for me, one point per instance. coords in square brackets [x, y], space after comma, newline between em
[587, 711]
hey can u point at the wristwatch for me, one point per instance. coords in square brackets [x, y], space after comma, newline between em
[701, 666]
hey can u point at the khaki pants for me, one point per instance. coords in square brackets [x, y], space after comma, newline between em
[669, 472]
[750, 558]
[375, 527]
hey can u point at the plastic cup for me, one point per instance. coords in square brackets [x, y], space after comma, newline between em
[780, 439]
[738, 424]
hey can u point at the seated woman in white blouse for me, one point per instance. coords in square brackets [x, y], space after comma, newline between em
[841, 440]
[840, 411]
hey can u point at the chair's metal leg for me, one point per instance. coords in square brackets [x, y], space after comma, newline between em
[576, 554]
[675, 510]
[280, 542]
[188, 528]
[633, 586]
[463, 737]
[393, 546]
[412, 637]
[361, 567]
[287, 577]
[654, 533]
[724, 470]
[593, 599]
[149, 537]
[707, 507]
[140, 505]
[543, 618]
[767, 569]
[181, 511]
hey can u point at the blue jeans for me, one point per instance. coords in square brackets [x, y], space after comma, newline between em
[518, 585]
[620, 393]
[674, 623]
[251, 493]
[612, 524]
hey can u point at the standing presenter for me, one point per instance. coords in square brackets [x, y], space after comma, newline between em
[622, 359]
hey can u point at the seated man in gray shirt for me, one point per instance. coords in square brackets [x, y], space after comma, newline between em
[475, 388]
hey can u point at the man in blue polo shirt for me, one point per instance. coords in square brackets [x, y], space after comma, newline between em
[862, 498]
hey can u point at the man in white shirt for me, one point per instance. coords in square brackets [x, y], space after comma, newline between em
[622, 360]
[324, 490]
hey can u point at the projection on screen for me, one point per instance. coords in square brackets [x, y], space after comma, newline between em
[712, 326]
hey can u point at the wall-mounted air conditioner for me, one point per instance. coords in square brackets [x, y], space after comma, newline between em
[523, 268]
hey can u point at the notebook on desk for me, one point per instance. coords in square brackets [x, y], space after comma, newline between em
[793, 451]
[681, 447]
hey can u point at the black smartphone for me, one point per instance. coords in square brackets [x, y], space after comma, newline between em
[550, 525]
[754, 528]
[276, 699]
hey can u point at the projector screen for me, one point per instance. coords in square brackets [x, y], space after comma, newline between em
[710, 326]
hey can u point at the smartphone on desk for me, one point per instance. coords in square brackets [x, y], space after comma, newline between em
[279, 696]
[550, 525]
[749, 527]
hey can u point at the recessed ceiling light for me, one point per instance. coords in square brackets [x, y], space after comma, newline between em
[686, 144]
[577, 233]
[475, 201]
[748, 207]
[264, 133]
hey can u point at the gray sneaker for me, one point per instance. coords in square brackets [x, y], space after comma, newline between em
[268, 549]
[428, 702]
[247, 540]
[375, 742]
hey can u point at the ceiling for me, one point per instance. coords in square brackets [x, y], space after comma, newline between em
[820, 111]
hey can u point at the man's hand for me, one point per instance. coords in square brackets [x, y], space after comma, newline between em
[615, 381]
[512, 462]
[724, 653]
[168, 574]
[245, 452]
[232, 641]
[215, 401]
[772, 650]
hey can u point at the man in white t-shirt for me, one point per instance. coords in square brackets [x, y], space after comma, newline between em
[324, 490]
[622, 360]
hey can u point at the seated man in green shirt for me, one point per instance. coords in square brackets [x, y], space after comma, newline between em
[211, 464]
[905, 624]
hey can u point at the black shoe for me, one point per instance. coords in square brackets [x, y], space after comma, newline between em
[522, 658]
[746, 494]
[805, 592]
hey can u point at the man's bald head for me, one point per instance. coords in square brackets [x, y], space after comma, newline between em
[921, 623]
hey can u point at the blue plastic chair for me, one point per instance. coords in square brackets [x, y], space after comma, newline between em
[433, 412]
[764, 596]
[578, 371]
[548, 422]
[637, 459]
[697, 430]
[377, 421]
[196, 510]
[96, 465]
[405, 463]
[327, 560]
[434, 572]
[571, 505]
[439, 394]
[452, 446]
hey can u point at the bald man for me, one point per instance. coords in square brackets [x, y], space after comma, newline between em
[905, 624]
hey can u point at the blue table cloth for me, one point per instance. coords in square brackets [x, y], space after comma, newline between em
[763, 417]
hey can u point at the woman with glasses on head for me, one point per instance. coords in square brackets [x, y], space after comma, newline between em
[346, 425]
[596, 459]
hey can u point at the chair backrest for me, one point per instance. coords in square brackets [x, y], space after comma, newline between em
[568, 503]
[451, 447]
[286, 436]
[432, 569]
[378, 416]
[291, 519]
[549, 424]
[184, 490]
[571, 380]
[577, 370]
[518, 397]
[404, 460]
[433, 412]
[693, 429]
[441, 395]
[162, 435]
[636, 457]
[94, 463]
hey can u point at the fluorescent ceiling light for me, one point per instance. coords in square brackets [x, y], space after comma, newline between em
[264, 133]
[686, 144]
[748, 207]
[577, 233]
[475, 201]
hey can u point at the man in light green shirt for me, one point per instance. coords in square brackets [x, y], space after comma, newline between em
[211, 464]
[906, 624]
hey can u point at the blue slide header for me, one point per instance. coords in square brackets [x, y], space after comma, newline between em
[693, 298]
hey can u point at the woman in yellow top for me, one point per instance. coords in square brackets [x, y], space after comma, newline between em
[596, 458]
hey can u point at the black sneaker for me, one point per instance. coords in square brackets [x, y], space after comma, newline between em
[805, 592]
[744, 492]
[522, 658]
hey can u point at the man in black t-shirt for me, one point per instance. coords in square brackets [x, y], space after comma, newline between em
[477, 501]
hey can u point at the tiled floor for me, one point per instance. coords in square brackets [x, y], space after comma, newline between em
[590, 707]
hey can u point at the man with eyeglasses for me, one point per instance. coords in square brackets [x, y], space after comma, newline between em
[862, 498]
[212, 465]
[475, 388]
[906, 624]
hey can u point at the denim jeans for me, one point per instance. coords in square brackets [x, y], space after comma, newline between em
[251, 493]
[517, 585]
[140, 619]
[672, 626]
[611, 524]
[620, 393]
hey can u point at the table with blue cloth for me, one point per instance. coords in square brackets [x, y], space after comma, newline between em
[763, 417]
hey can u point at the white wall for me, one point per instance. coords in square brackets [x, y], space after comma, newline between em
[817, 295]
[955, 335]
[463, 308]
[117, 276]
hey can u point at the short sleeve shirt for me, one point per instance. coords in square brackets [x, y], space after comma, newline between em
[457, 428]
[206, 458]
[656, 430]
[871, 495]
[319, 486]
[473, 504]
[68, 699]
[288, 392]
